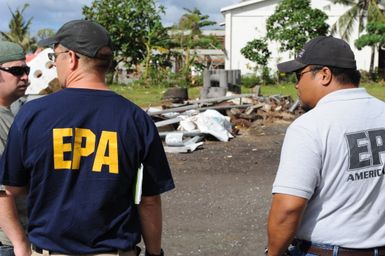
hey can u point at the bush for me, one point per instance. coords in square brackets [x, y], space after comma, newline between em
[366, 77]
[249, 81]
[266, 76]
[287, 77]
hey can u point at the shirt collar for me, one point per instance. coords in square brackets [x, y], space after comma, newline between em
[344, 94]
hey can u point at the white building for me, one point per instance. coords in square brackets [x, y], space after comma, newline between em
[247, 20]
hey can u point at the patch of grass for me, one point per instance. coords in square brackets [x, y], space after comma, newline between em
[146, 97]
[152, 96]
[141, 96]
[375, 89]
[282, 89]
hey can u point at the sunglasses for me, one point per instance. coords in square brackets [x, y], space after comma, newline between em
[17, 70]
[299, 74]
[52, 56]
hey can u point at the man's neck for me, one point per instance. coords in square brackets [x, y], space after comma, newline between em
[88, 85]
[93, 81]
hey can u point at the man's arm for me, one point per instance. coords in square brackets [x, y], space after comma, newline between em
[10, 224]
[150, 211]
[284, 217]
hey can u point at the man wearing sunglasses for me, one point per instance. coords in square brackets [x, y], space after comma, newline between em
[13, 84]
[92, 160]
[328, 194]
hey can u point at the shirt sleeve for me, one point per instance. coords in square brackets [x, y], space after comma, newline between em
[12, 172]
[299, 169]
[157, 176]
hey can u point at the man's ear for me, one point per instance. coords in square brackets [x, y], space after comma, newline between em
[325, 76]
[73, 60]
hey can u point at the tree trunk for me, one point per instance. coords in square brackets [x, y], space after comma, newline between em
[371, 68]
[147, 61]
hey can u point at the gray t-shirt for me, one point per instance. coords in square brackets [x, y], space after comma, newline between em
[6, 119]
[334, 156]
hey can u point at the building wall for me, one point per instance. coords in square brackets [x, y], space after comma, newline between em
[246, 23]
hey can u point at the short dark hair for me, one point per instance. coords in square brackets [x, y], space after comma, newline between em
[343, 75]
[102, 60]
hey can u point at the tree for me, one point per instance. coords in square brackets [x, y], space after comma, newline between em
[187, 35]
[45, 33]
[375, 38]
[363, 11]
[19, 29]
[294, 23]
[134, 25]
[258, 52]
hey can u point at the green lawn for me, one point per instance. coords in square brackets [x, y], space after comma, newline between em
[146, 97]
[377, 90]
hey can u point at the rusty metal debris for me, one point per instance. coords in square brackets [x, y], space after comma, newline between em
[240, 110]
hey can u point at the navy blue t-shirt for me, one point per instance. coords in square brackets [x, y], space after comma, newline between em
[78, 152]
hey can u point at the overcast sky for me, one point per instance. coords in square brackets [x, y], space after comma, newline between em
[53, 13]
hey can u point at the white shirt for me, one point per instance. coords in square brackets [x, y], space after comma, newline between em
[334, 156]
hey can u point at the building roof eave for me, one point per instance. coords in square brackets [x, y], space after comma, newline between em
[240, 5]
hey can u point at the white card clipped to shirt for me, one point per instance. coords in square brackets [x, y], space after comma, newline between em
[138, 188]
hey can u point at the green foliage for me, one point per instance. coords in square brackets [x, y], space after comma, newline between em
[45, 33]
[147, 96]
[263, 77]
[250, 81]
[375, 36]
[266, 76]
[361, 11]
[134, 25]
[187, 36]
[152, 96]
[19, 29]
[294, 23]
[286, 89]
[257, 51]
[194, 20]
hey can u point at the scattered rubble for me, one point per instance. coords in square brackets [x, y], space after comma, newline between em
[184, 126]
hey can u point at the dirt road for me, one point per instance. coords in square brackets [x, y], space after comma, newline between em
[222, 195]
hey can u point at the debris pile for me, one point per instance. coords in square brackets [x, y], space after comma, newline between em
[184, 126]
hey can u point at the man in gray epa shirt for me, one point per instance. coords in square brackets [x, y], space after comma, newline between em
[13, 84]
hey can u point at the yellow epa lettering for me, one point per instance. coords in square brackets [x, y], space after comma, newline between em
[106, 151]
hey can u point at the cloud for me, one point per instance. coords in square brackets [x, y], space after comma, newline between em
[44, 13]
[52, 13]
[175, 9]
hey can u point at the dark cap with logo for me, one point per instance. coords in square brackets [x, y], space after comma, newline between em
[81, 36]
[323, 50]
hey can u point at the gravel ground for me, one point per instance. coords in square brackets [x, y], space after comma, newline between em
[222, 195]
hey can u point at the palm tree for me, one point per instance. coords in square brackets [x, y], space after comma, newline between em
[19, 29]
[361, 11]
[188, 35]
[194, 20]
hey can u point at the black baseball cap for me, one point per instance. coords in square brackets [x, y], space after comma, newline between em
[323, 50]
[81, 36]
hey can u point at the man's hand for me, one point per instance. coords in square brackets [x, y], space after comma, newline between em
[284, 217]
[22, 248]
[10, 224]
